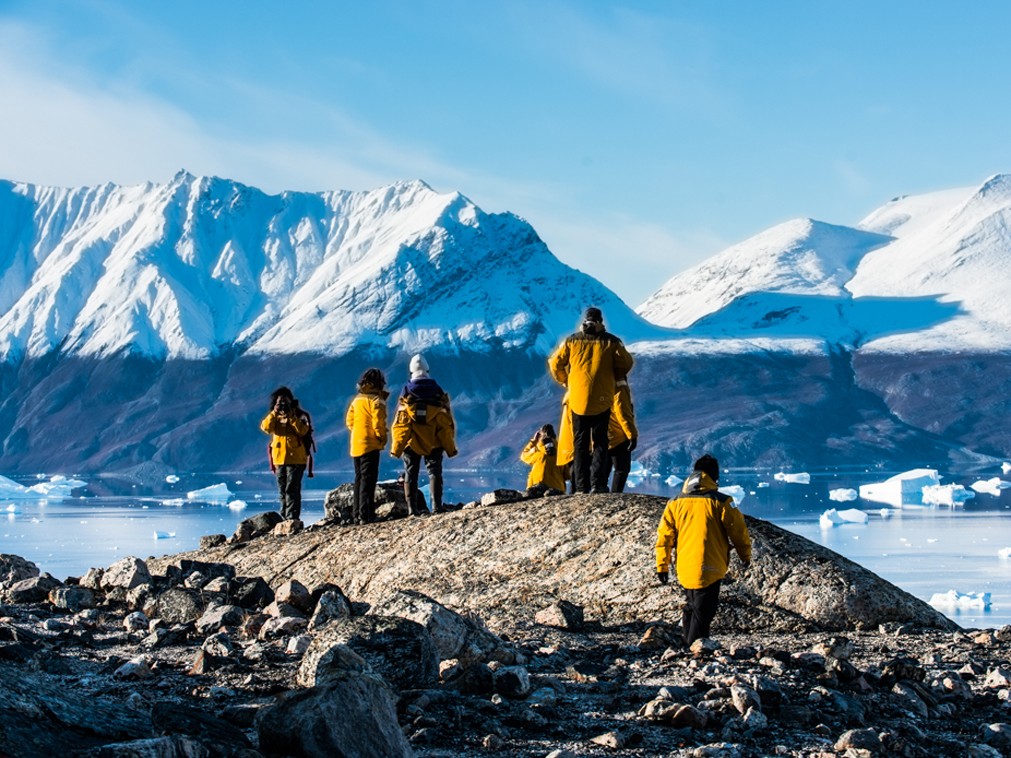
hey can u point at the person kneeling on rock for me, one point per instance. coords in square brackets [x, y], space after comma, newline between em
[703, 523]
[541, 454]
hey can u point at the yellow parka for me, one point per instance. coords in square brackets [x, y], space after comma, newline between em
[366, 420]
[565, 442]
[622, 425]
[702, 523]
[423, 428]
[544, 468]
[286, 446]
[589, 363]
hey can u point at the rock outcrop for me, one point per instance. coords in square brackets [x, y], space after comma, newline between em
[595, 551]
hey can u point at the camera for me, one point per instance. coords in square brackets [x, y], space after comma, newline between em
[283, 406]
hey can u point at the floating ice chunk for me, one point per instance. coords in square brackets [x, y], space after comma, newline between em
[830, 518]
[639, 470]
[902, 489]
[842, 495]
[237, 505]
[171, 478]
[673, 480]
[1005, 467]
[946, 494]
[853, 516]
[990, 486]
[955, 599]
[173, 501]
[763, 484]
[12, 508]
[801, 478]
[214, 493]
[164, 535]
[735, 491]
[885, 512]
[1004, 552]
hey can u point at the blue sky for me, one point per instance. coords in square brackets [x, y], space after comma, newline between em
[638, 138]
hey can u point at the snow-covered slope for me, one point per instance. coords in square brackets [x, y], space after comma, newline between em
[921, 273]
[198, 265]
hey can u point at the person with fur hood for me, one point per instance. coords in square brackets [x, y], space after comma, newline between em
[423, 427]
[366, 422]
[589, 364]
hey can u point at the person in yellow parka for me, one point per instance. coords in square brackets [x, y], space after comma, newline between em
[587, 364]
[541, 454]
[287, 427]
[366, 421]
[703, 523]
[563, 445]
[423, 427]
[622, 434]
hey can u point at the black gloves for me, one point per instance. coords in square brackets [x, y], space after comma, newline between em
[662, 576]
[632, 443]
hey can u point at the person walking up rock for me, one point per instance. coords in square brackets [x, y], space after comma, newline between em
[622, 436]
[423, 428]
[703, 524]
[288, 426]
[589, 363]
[366, 422]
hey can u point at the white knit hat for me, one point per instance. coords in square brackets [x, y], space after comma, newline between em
[419, 366]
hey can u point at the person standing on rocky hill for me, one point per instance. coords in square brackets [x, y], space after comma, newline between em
[366, 422]
[541, 454]
[623, 435]
[589, 363]
[702, 523]
[288, 426]
[423, 427]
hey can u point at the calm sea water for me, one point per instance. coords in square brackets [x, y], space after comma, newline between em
[925, 551]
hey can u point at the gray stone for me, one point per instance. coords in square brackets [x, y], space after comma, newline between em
[996, 735]
[982, 751]
[219, 616]
[136, 622]
[298, 645]
[860, 739]
[93, 579]
[294, 593]
[745, 698]
[498, 497]
[260, 524]
[175, 746]
[454, 636]
[177, 605]
[280, 610]
[132, 670]
[33, 590]
[219, 645]
[561, 615]
[332, 605]
[285, 626]
[212, 540]
[910, 699]
[252, 593]
[399, 650]
[195, 580]
[126, 574]
[351, 715]
[719, 750]
[14, 568]
[840, 648]
[512, 681]
[287, 528]
[218, 584]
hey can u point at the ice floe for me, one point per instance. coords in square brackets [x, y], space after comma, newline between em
[164, 535]
[673, 480]
[955, 599]
[237, 505]
[1005, 467]
[1004, 552]
[832, 517]
[842, 495]
[990, 486]
[763, 484]
[171, 478]
[902, 489]
[214, 493]
[58, 487]
[735, 491]
[801, 478]
[946, 494]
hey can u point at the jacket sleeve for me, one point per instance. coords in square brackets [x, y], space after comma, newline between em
[349, 419]
[401, 432]
[267, 425]
[447, 434]
[558, 364]
[623, 360]
[737, 530]
[625, 412]
[529, 453]
[379, 421]
[666, 538]
[301, 428]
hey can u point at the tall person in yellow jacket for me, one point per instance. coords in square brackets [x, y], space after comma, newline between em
[703, 523]
[366, 421]
[588, 364]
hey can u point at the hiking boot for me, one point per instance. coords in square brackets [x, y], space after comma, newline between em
[598, 491]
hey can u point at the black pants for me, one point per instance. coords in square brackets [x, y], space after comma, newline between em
[363, 509]
[699, 612]
[289, 486]
[620, 457]
[589, 469]
[412, 467]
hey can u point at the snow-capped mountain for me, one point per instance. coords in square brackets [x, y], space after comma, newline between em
[922, 273]
[200, 265]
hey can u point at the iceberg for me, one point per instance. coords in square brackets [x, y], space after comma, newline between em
[832, 517]
[735, 491]
[214, 493]
[171, 478]
[58, 487]
[959, 600]
[673, 480]
[1004, 553]
[990, 486]
[1005, 468]
[801, 478]
[842, 495]
[946, 494]
[763, 484]
[237, 505]
[902, 489]
[164, 535]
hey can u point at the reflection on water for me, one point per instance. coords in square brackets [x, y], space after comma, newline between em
[923, 550]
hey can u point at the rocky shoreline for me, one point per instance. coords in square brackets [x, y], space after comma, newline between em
[339, 653]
